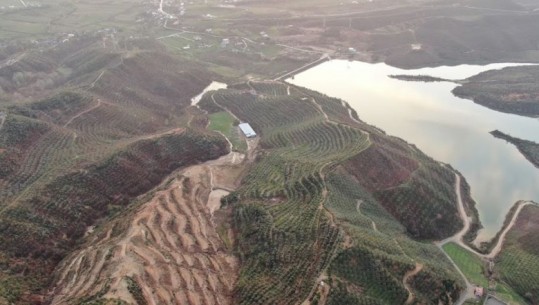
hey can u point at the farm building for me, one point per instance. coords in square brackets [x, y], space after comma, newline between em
[247, 130]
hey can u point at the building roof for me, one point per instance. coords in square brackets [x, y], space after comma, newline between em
[247, 130]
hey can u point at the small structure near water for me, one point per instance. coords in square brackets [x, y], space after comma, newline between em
[247, 130]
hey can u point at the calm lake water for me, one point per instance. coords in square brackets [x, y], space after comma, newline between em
[449, 129]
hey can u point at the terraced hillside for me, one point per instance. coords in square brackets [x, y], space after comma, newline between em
[412, 187]
[518, 262]
[308, 206]
[166, 251]
[79, 141]
[79, 155]
[291, 211]
[95, 112]
[379, 262]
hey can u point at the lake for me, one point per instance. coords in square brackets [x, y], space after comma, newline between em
[447, 128]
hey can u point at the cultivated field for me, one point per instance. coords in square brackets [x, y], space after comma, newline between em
[167, 251]
[293, 210]
[518, 264]
[79, 141]
[95, 113]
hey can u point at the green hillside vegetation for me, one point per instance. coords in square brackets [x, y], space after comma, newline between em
[529, 149]
[227, 125]
[31, 22]
[70, 203]
[518, 263]
[95, 107]
[382, 252]
[405, 181]
[79, 149]
[288, 209]
[513, 90]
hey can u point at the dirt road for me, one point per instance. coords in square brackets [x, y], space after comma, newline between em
[83, 112]
[407, 276]
[458, 238]
[2, 119]
[498, 247]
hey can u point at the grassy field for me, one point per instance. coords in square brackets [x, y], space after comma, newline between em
[227, 125]
[509, 264]
[471, 265]
[507, 294]
[47, 18]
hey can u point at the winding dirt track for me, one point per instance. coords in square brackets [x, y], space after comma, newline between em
[457, 238]
[170, 248]
[83, 112]
[410, 274]
[496, 250]
[2, 120]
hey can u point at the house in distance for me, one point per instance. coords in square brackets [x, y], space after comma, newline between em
[247, 130]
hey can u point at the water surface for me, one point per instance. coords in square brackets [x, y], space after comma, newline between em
[450, 129]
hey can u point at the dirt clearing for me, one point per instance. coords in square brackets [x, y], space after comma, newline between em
[168, 252]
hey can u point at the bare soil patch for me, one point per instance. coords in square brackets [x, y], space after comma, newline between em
[170, 249]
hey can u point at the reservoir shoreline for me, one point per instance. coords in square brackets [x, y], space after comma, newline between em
[460, 137]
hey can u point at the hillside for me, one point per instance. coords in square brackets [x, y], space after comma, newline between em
[287, 213]
[518, 264]
[512, 90]
[78, 151]
[116, 189]
[168, 249]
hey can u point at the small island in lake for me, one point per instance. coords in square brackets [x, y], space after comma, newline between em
[419, 78]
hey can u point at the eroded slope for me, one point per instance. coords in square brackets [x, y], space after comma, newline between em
[79, 141]
[167, 251]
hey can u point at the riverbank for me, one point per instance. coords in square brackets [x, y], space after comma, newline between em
[448, 129]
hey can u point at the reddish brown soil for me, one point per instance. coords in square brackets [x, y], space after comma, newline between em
[379, 168]
[170, 248]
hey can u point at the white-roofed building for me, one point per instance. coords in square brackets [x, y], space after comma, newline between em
[247, 130]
